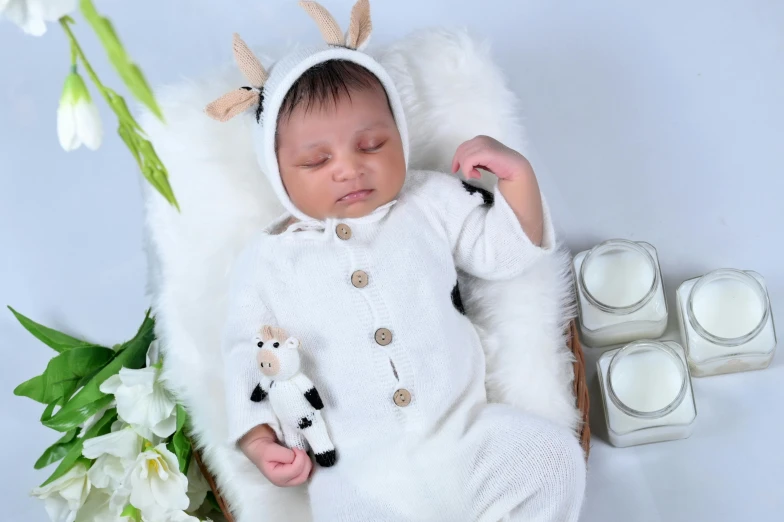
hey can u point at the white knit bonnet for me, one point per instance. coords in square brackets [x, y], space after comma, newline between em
[267, 88]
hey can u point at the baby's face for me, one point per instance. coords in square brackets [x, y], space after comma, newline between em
[342, 160]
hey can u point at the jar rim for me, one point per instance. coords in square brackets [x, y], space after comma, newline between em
[629, 245]
[669, 351]
[738, 275]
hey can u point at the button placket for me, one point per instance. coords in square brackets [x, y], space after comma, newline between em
[390, 360]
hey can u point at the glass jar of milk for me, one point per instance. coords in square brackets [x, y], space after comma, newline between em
[646, 393]
[726, 322]
[620, 296]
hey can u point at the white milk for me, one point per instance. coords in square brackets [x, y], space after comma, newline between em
[626, 283]
[647, 377]
[728, 336]
[646, 381]
[619, 278]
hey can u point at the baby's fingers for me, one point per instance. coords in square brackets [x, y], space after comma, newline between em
[277, 454]
[303, 476]
[469, 163]
[287, 472]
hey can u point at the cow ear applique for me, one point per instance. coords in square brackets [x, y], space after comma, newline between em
[360, 27]
[240, 100]
[359, 30]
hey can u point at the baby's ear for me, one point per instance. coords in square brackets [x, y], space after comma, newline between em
[231, 104]
[360, 27]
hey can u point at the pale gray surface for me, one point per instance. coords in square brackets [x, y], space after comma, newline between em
[660, 123]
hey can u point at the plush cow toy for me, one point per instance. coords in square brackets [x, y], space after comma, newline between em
[294, 400]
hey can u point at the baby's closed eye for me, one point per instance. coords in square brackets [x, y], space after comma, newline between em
[313, 162]
[371, 145]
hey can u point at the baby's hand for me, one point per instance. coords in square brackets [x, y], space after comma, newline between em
[491, 155]
[282, 466]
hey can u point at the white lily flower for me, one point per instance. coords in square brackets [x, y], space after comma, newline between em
[99, 507]
[31, 15]
[64, 496]
[175, 516]
[197, 486]
[143, 402]
[114, 454]
[124, 444]
[78, 121]
[157, 485]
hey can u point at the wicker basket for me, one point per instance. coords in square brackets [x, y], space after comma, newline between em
[580, 392]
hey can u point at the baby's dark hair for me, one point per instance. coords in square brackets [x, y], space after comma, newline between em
[325, 83]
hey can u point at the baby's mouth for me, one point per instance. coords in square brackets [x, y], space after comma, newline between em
[357, 195]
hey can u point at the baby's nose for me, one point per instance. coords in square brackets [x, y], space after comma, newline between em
[348, 171]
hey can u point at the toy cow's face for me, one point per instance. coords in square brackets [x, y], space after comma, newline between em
[278, 360]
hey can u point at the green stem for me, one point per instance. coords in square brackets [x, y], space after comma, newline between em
[76, 50]
[73, 57]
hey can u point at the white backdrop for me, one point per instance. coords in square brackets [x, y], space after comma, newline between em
[661, 122]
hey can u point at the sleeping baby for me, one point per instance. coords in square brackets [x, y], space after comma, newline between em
[362, 270]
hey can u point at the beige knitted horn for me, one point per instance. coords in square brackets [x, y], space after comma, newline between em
[250, 66]
[360, 27]
[329, 28]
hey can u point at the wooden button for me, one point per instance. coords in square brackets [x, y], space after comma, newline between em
[383, 336]
[343, 231]
[359, 279]
[402, 398]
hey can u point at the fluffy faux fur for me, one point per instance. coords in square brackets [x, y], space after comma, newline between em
[451, 91]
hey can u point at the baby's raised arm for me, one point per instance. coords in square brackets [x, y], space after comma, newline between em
[516, 179]
[493, 235]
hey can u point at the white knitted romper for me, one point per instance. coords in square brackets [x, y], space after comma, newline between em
[399, 367]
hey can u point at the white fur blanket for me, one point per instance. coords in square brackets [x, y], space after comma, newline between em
[451, 91]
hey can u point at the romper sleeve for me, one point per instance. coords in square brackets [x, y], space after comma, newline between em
[245, 315]
[486, 237]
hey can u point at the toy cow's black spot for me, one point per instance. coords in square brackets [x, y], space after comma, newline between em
[487, 196]
[258, 394]
[313, 397]
[305, 422]
[327, 459]
[457, 301]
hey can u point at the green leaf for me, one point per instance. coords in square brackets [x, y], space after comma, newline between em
[74, 454]
[90, 399]
[129, 72]
[180, 445]
[35, 389]
[151, 166]
[47, 414]
[213, 501]
[182, 416]
[131, 512]
[64, 373]
[52, 338]
[70, 415]
[58, 450]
